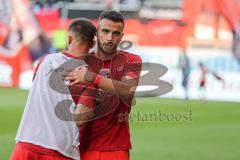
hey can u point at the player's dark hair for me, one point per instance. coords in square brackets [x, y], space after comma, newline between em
[112, 15]
[83, 29]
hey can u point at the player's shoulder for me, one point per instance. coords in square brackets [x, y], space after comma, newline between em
[46, 59]
[58, 56]
[131, 56]
[55, 55]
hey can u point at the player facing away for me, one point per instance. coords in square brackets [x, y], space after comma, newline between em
[46, 132]
[107, 137]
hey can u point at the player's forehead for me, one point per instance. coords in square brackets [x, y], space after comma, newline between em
[110, 25]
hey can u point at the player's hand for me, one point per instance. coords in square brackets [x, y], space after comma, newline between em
[80, 75]
[100, 96]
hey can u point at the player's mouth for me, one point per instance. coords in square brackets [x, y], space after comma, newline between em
[110, 45]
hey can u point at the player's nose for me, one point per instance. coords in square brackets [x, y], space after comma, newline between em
[109, 36]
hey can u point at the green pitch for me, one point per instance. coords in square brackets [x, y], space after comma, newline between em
[161, 129]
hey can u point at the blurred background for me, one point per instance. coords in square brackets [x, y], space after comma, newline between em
[206, 31]
[198, 41]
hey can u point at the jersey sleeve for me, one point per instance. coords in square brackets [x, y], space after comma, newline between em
[134, 67]
[87, 98]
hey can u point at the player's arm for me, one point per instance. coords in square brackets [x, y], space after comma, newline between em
[84, 109]
[124, 88]
[82, 115]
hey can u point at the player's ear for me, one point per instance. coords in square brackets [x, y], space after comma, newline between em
[69, 40]
[97, 30]
[122, 35]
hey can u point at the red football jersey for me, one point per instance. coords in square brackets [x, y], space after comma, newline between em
[109, 131]
[81, 93]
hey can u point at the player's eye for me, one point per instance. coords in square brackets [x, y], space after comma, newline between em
[105, 31]
[117, 33]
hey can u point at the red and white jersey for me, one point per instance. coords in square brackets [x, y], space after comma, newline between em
[45, 122]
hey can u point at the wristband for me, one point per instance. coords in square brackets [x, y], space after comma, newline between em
[97, 80]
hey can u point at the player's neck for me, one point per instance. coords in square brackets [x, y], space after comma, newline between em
[77, 52]
[103, 55]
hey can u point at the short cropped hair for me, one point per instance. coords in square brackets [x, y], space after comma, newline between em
[112, 15]
[83, 29]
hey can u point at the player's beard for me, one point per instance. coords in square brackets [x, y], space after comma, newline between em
[107, 47]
